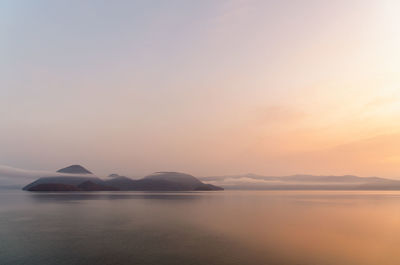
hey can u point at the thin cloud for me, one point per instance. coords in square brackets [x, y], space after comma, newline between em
[13, 176]
[11, 172]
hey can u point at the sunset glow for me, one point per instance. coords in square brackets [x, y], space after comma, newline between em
[214, 87]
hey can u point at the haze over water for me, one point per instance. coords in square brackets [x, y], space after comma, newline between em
[230, 227]
[234, 92]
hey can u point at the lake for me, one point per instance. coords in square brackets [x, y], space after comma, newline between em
[228, 227]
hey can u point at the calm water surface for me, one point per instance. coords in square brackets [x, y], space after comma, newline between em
[260, 227]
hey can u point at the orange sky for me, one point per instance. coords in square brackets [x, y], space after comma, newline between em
[209, 88]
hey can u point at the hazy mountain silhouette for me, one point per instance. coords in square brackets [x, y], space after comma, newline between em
[159, 181]
[65, 180]
[91, 186]
[77, 178]
[303, 182]
[53, 187]
[74, 169]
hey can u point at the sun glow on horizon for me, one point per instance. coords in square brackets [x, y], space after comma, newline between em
[212, 87]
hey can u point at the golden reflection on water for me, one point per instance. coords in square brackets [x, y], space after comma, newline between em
[313, 227]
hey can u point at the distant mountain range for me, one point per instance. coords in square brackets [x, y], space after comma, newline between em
[78, 178]
[303, 182]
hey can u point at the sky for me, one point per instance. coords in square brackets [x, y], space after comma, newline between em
[204, 87]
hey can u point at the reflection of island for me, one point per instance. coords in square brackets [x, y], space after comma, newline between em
[77, 178]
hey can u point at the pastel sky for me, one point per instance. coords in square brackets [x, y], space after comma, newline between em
[204, 87]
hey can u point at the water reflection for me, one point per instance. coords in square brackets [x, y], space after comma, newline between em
[201, 228]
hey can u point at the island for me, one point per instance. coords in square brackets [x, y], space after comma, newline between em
[78, 178]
